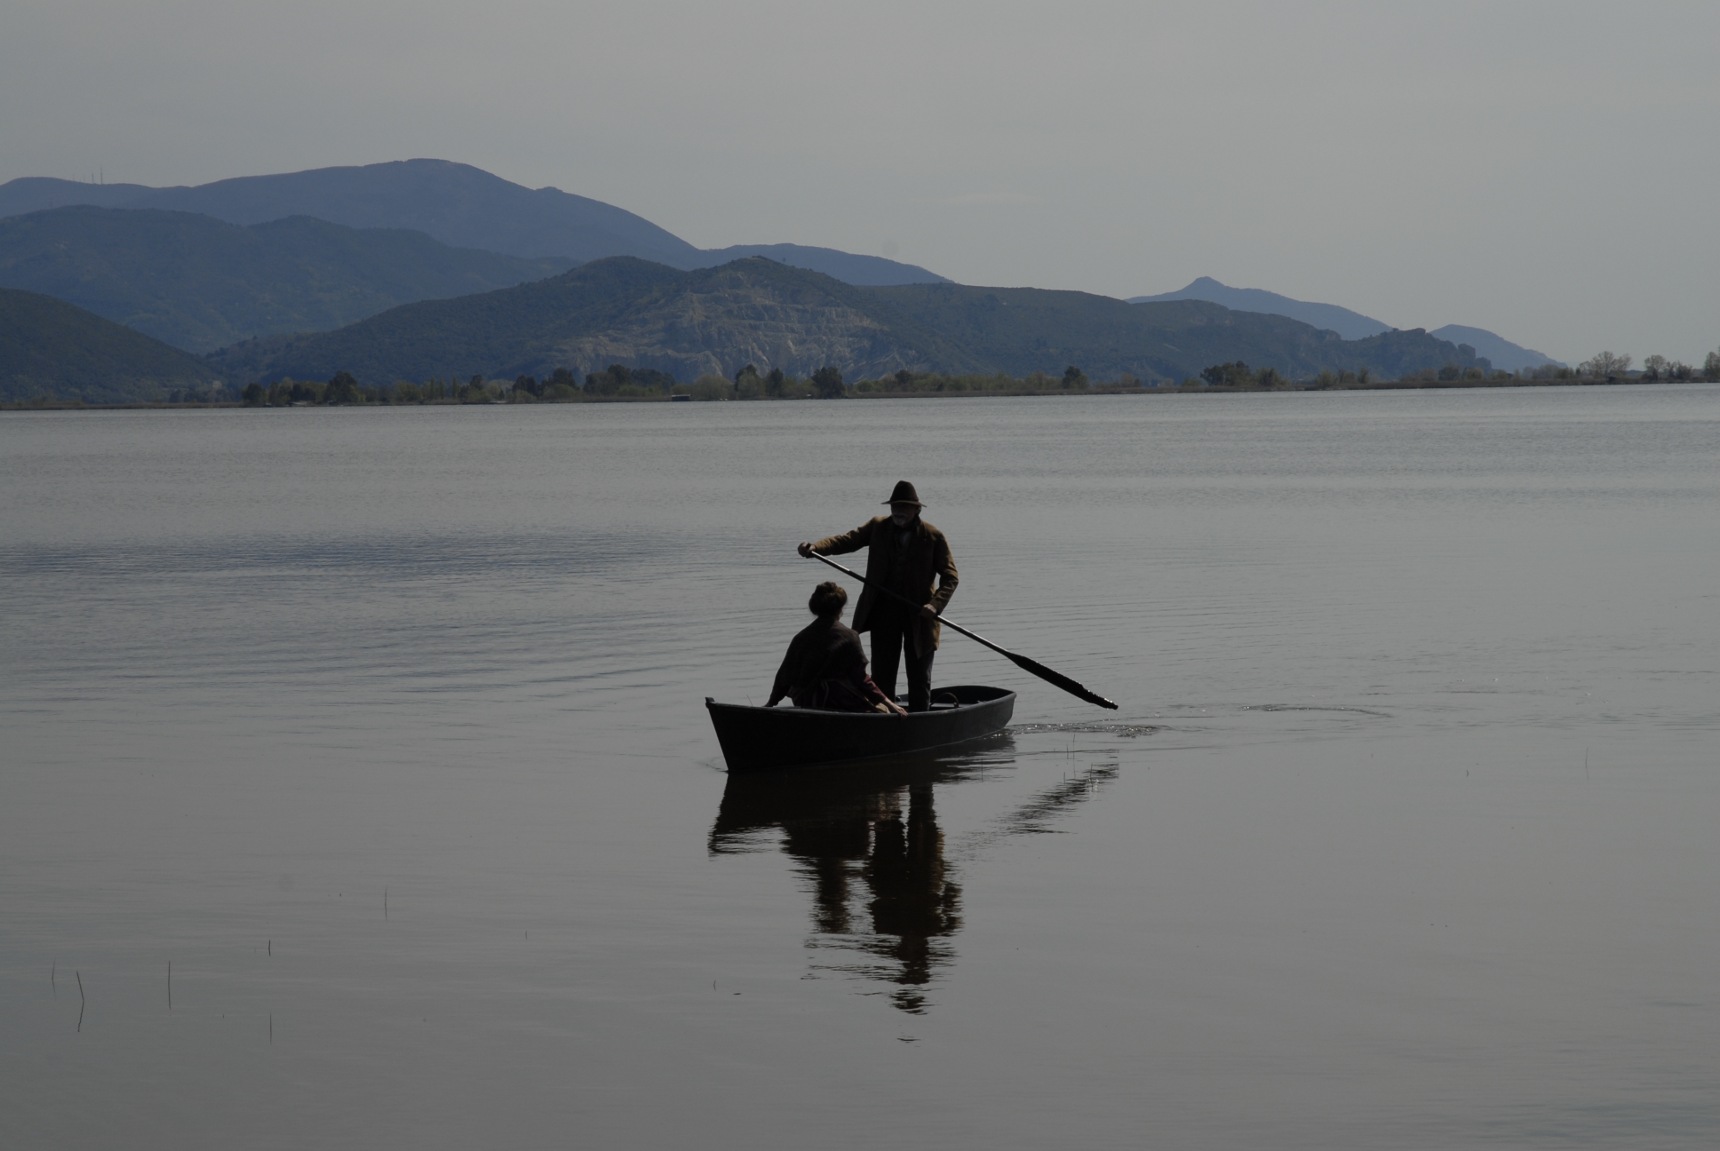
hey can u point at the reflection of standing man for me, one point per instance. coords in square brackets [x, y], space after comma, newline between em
[904, 553]
[915, 906]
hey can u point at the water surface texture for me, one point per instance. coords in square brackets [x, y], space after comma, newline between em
[384, 729]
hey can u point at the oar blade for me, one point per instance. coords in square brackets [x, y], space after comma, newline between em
[1056, 677]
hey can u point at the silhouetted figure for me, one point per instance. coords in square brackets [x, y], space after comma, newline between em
[905, 554]
[825, 666]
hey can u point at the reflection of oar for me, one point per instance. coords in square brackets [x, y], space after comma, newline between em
[1032, 666]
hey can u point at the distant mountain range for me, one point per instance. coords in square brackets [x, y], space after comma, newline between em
[49, 347]
[1500, 352]
[200, 283]
[1348, 324]
[425, 268]
[1497, 350]
[457, 204]
[712, 321]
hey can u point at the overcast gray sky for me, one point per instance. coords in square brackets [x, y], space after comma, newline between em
[1543, 168]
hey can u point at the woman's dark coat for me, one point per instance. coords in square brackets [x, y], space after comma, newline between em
[826, 668]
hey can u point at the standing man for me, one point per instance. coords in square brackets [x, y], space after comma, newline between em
[903, 553]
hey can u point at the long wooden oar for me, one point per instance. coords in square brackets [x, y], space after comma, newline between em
[1031, 666]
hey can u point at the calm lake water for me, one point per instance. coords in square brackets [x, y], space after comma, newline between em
[385, 730]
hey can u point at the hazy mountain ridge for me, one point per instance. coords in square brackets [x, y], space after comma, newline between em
[756, 311]
[49, 347]
[1500, 352]
[199, 283]
[465, 207]
[457, 204]
[39, 193]
[268, 256]
[861, 271]
[1348, 324]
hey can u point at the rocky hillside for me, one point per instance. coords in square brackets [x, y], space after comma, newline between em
[713, 321]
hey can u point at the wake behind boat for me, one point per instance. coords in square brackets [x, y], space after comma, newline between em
[766, 738]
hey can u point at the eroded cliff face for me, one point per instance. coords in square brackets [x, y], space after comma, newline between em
[717, 329]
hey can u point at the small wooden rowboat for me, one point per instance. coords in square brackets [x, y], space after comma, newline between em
[765, 738]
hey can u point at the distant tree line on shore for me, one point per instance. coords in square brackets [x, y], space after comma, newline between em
[1608, 366]
[618, 382]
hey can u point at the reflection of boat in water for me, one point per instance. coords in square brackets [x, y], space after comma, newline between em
[763, 738]
[866, 841]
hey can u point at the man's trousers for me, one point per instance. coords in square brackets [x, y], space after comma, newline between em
[890, 636]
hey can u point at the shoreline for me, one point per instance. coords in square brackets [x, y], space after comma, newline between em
[51, 405]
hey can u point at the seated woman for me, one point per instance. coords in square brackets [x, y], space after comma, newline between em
[825, 667]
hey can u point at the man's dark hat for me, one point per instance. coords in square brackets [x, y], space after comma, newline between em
[905, 494]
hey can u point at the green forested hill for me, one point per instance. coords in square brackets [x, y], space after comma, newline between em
[199, 283]
[755, 311]
[51, 348]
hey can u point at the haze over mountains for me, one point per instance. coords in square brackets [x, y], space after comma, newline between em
[200, 283]
[1497, 350]
[1500, 352]
[457, 204]
[425, 267]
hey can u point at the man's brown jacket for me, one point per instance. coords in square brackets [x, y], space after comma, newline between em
[928, 556]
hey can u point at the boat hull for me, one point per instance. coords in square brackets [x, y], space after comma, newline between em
[768, 738]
